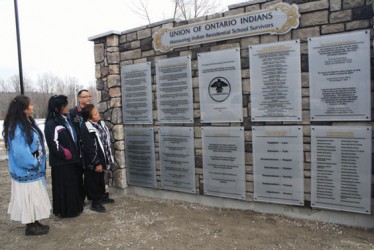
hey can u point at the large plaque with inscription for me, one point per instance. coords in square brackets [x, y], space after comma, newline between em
[174, 90]
[339, 77]
[278, 164]
[136, 93]
[223, 161]
[279, 18]
[341, 168]
[275, 81]
[177, 159]
[140, 157]
[220, 86]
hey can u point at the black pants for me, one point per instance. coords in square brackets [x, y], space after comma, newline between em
[95, 185]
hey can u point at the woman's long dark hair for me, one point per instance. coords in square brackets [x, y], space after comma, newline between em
[16, 115]
[55, 105]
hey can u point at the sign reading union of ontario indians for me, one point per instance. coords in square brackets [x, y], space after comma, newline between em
[277, 19]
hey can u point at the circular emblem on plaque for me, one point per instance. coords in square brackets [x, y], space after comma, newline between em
[219, 89]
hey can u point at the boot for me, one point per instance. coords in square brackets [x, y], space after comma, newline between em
[98, 207]
[33, 229]
[107, 200]
[38, 224]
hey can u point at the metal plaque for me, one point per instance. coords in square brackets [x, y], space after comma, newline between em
[220, 86]
[275, 81]
[279, 18]
[339, 77]
[223, 161]
[140, 157]
[136, 93]
[341, 168]
[177, 159]
[278, 164]
[174, 90]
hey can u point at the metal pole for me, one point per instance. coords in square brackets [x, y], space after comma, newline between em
[19, 49]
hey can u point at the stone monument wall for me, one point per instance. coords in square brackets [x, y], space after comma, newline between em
[115, 49]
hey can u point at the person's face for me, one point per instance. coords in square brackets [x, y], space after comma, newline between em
[84, 98]
[29, 110]
[64, 110]
[95, 115]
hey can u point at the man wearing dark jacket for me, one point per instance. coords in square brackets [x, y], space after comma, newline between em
[84, 98]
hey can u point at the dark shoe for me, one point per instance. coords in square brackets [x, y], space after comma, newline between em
[33, 229]
[38, 224]
[107, 200]
[98, 208]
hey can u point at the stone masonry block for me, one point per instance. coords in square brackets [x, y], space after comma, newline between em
[112, 49]
[313, 6]
[350, 4]
[118, 133]
[304, 79]
[132, 37]
[314, 18]
[304, 33]
[146, 44]
[115, 92]
[355, 25]
[117, 116]
[269, 39]
[335, 5]
[246, 86]
[253, 7]
[104, 71]
[225, 46]
[114, 69]
[123, 39]
[270, 3]
[135, 44]
[132, 54]
[112, 41]
[113, 58]
[148, 53]
[115, 102]
[99, 52]
[365, 12]
[97, 71]
[114, 80]
[144, 33]
[119, 145]
[332, 28]
[341, 16]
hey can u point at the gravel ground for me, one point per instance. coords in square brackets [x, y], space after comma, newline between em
[135, 222]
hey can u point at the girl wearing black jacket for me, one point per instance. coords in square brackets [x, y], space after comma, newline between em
[97, 156]
[64, 158]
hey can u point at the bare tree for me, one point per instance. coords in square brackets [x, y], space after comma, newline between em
[4, 88]
[70, 85]
[14, 84]
[183, 9]
[47, 84]
[189, 9]
[141, 8]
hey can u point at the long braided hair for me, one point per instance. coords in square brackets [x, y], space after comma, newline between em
[16, 115]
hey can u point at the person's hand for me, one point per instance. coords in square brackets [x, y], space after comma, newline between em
[99, 169]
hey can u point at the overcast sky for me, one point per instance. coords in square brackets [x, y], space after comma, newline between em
[54, 33]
